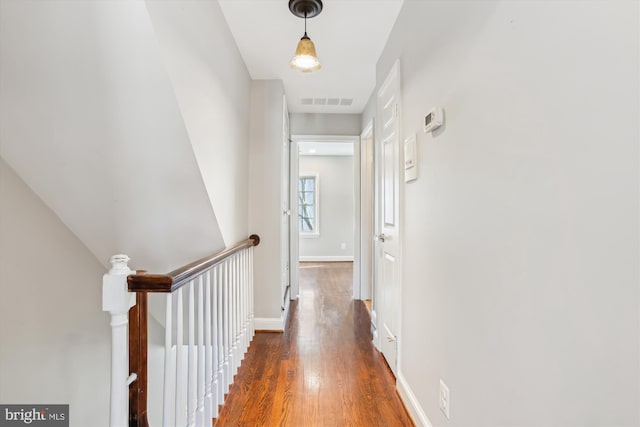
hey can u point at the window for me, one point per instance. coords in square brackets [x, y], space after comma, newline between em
[308, 204]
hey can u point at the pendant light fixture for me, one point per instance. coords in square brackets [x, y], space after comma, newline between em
[305, 59]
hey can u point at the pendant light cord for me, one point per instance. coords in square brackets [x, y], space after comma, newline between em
[305, 24]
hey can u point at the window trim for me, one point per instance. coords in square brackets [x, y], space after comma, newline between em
[316, 229]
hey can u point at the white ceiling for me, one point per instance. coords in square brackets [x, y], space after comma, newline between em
[349, 36]
[318, 148]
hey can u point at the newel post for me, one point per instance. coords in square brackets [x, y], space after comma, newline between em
[117, 300]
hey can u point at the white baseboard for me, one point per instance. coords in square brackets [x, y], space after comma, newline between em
[269, 324]
[411, 402]
[326, 258]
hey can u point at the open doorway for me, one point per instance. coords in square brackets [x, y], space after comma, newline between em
[325, 203]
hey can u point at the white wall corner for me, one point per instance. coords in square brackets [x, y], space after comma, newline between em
[411, 402]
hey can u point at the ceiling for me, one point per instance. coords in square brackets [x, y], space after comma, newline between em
[349, 36]
[319, 148]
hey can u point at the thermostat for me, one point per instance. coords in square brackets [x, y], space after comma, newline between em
[433, 120]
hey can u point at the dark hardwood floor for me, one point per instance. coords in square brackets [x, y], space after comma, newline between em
[323, 371]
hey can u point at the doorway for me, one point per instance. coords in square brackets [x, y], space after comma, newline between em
[325, 202]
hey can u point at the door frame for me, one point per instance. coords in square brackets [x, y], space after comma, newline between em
[367, 262]
[295, 235]
[286, 240]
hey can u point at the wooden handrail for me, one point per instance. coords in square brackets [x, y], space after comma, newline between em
[142, 284]
[177, 278]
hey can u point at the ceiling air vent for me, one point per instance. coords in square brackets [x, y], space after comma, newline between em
[344, 102]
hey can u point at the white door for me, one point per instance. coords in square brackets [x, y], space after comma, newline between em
[286, 211]
[388, 247]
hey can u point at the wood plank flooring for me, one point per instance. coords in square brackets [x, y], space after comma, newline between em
[323, 371]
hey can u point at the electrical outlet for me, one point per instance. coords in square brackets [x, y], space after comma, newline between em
[343, 246]
[444, 399]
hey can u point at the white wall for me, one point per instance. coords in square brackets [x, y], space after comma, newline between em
[265, 211]
[55, 338]
[101, 113]
[521, 233]
[325, 124]
[213, 90]
[369, 111]
[336, 202]
[89, 119]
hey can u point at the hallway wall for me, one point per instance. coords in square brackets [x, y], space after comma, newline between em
[213, 89]
[521, 233]
[90, 121]
[55, 339]
[336, 208]
[265, 209]
[325, 124]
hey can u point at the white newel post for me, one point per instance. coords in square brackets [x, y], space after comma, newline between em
[117, 300]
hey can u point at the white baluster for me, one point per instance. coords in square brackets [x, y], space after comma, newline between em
[181, 411]
[232, 321]
[168, 397]
[245, 302]
[227, 327]
[117, 301]
[248, 288]
[243, 306]
[241, 332]
[243, 327]
[200, 381]
[236, 350]
[251, 286]
[208, 400]
[238, 306]
[213, 357]
[249, 292]
[221, 339]
[192, 399]
[220, 333]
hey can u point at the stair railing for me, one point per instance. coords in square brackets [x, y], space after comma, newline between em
[209, 324]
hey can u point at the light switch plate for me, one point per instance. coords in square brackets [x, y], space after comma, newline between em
[410, 159]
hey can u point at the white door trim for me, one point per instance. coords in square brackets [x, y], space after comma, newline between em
[285, 191]
[367, 209]
[294, 234]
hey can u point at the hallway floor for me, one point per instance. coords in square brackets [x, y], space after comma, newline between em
[323, 371]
